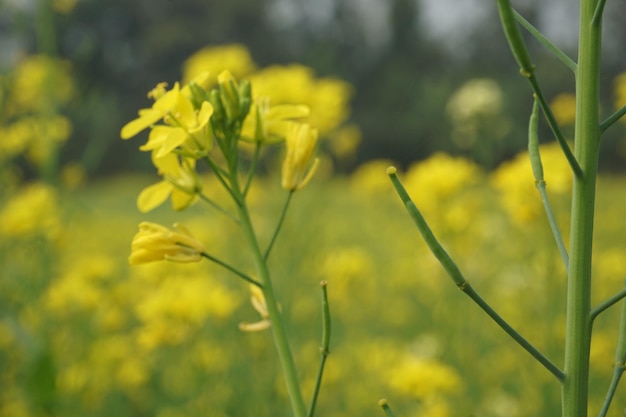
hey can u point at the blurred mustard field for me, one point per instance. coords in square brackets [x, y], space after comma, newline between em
[82, 333]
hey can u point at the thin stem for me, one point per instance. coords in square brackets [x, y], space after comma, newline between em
[569, 63]
[554, 126]
[587, 139]
[323, 348]
[527, 69]
[560, 244]
[281, 220]
[252, 169]
[537, 168]
[455, 273]
[596, 311]
[597, 15]
[617, 375]
[612, 119]
[232, 269]
[218, 207]
[278, 328]
[219, 174]
[620, 358]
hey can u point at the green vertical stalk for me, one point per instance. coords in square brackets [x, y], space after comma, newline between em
[587, 137]
[278, 329]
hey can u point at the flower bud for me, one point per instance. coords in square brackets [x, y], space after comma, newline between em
[299, 165]
[154, 242]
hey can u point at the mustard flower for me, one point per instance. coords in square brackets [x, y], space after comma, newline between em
[147, 117]
[298, 169]
[258, 303]
[184, 126]
[154, 242]
[268, 124]
[180, 182]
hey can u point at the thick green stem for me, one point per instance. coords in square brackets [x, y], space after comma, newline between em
[587, 137]
[278, 328]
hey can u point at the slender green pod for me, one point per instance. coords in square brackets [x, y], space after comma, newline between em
[514, 37]
[324, 348]
[540, 183]
[533, 144]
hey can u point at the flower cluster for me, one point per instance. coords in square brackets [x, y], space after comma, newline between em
[193, 118]
[206, 120]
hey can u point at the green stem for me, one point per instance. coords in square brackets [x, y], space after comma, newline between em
[252, 169]
[218, 207]
[569, 63]
[278, 328]
[527, 69]
[323, 348]
[597, 14]
[587, 139]
[620, 358]
[232, 269]
[554, 126]
[455, 273]
[613, 118]
[537, 168]
[607, 304]
[281, 220]
[541, 186]
[617, 375]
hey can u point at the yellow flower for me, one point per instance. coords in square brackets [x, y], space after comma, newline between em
[191, 132]
[154, 242]
[297, 168]
[32, 211]
[180, 182]
[184, 126]
[258, 302]
[328, 98]
[147, 117]
[215, 59]
[270, 124]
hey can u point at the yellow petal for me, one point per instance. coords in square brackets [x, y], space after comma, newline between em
[158, 134]
[181, 200]
[146, 118]
[153, 196]
[176, 137]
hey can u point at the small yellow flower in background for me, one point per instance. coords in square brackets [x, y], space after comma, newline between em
[326, 97]
[180, 182]
[424, 378]
[36, 74]
[438, 178]
[564, 108]
[33, 211]
[258, 302]
[154, 242]
[215, 59]
[299, 165]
